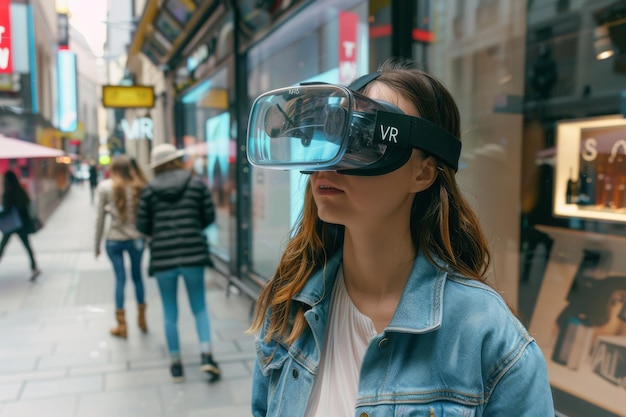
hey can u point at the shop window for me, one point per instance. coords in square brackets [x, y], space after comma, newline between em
[257, 14]
[211, 147]
[167, 25]
[305, 48]
[181, 10]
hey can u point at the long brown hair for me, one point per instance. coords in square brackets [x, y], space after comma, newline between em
[14, 193]
[124, 175]
[137, 171]
[443, 225]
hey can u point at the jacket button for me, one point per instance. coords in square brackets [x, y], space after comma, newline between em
[294, 373]
[383, 343]
[364, 415]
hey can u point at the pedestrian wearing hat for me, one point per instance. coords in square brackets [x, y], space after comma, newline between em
[174, 209]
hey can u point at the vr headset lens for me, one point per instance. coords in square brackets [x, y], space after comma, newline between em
[313, 127]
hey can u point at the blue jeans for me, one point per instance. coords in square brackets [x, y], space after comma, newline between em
[168, 287]
[115, 249]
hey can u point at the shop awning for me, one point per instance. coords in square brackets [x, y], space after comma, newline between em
[15, 148]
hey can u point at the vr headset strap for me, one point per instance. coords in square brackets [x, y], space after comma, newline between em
[417, 132]
[362, 81]
[406, 131]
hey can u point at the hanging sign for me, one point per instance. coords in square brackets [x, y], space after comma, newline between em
[6, 52]
[348, 26]
[127, 97]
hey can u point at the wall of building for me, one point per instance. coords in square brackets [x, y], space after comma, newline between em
[46, 35]
[88, 95]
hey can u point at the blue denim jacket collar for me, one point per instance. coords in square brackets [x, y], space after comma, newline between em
[320, 283]
[414, 373]
[421, 305]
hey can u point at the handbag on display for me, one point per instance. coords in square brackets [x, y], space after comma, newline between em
[10, 221]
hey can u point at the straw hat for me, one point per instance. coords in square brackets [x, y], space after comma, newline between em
[164, 153]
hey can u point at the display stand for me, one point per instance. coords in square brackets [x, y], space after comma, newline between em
[577, 371]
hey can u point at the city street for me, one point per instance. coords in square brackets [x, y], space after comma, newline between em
[57, 358]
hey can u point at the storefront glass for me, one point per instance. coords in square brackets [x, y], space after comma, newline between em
[573, 286]
[306, 48]
[210, 150]
[539, 87]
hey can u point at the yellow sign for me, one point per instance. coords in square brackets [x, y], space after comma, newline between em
[126, 97]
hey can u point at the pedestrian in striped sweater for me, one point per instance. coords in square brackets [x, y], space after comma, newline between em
[174, 210]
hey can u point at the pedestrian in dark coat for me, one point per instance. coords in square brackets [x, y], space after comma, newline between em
[174, 210]
[93, 180]
[14, 196]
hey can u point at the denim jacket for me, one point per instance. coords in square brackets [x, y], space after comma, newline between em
[452, 348]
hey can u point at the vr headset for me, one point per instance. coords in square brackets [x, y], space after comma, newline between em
[327, 127]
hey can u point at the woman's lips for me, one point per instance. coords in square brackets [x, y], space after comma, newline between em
[327, 189]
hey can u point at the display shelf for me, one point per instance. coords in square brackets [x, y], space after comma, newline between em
[590, 169]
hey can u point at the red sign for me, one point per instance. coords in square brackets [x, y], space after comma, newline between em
[348, 26]
[6, 53]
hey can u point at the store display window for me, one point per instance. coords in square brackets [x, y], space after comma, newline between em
[167, 25]
[306, 48]
[211, 147]
[591, 169]
[573, 288]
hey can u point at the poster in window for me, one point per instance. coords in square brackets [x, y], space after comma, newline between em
[579, 319]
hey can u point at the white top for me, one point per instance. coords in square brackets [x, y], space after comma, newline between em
[347, 337]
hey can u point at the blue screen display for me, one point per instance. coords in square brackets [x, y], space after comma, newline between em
[68, 108]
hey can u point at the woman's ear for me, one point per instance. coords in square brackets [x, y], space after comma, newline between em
[425, 174]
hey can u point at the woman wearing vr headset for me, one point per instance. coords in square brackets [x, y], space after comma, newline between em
[379, 305]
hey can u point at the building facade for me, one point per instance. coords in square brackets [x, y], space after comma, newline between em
[29, 97]
[86, 140]
[539, 87]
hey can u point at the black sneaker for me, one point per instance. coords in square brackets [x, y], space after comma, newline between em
[210, 367]
[176, 369]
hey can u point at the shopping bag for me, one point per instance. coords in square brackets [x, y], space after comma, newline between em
[10, 221]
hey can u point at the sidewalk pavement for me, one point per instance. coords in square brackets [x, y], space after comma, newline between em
[57, 358]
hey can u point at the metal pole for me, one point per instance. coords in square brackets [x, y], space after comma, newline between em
[402, 14]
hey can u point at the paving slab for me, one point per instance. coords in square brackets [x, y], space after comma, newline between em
[57, 357]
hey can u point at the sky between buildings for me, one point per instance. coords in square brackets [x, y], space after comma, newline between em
[89, 18]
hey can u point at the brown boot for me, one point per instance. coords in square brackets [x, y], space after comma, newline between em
[141, 317]
[120, 330]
